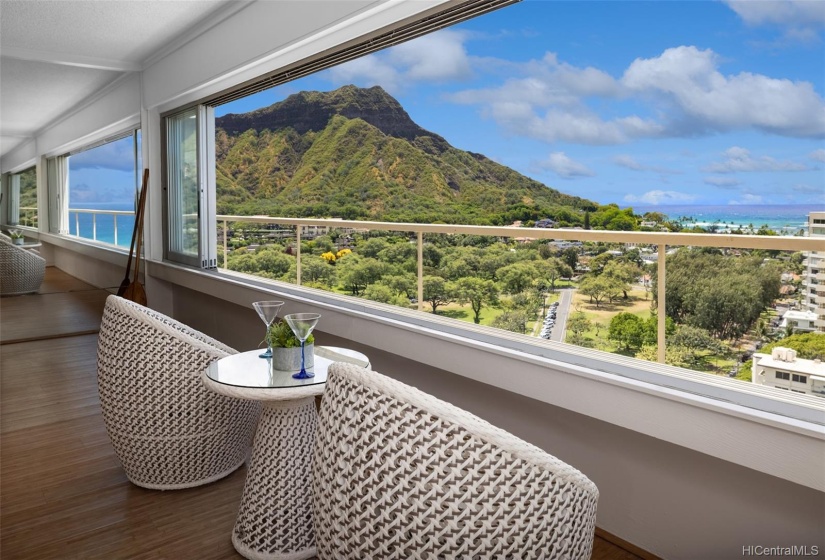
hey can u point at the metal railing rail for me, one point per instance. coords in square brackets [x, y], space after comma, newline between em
[29, 214]
[94, 213]
[660, 240]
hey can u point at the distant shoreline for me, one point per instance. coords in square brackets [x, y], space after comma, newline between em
[782, 218]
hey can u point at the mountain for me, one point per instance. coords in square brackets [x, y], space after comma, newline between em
[355, 153]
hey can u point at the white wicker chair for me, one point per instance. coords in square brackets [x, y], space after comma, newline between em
[399, 474]
[167, 429]
[21, 271]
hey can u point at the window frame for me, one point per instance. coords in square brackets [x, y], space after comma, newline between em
[9, 182]
[206, 257]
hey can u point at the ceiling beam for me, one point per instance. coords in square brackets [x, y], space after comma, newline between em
[68, 59]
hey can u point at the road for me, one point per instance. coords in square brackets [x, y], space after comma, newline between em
[565, 297]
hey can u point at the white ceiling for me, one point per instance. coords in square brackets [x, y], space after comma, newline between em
[54, 54]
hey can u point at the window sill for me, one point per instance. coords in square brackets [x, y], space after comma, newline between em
[671, 404]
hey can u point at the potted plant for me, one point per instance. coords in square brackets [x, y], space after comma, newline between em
[16, 236]
[286, 348]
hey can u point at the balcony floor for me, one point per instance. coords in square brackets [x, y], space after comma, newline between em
[63, 493]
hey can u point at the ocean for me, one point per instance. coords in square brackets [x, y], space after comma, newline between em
[102, 226]
[785, 219]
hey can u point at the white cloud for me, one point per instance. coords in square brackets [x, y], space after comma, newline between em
[722, 182]
[368, 71]
[682, 89]
[808, 189]
[747, 199]
[818, 155]
[437, 57]
[630, 162]
[740, 160]
[688, 78]
[655, 198]
[795, 13]
[565, 167]
[117, 155]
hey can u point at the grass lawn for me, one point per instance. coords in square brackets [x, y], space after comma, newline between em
[600, 316]
[465, 312]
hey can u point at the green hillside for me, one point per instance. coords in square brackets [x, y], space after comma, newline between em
[355, 153]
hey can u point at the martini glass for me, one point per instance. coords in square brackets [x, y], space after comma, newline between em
[302, 325]
[267, 311]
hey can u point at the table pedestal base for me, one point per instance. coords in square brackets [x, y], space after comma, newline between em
[275, 517]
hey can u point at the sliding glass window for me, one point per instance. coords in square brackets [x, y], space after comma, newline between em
[190, 188]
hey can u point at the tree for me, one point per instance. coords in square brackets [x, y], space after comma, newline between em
[316, 269]
[514, 321]
[578, 324]
[322, 244]
[627, 330]
[356, 273]
[517, 277]
[371, 247]
[587, 220]
[571, 257]
[598, 288]
[810, 346]
[437, 291]
[675, 355]
[722, 294]
[553, 269]
[623, 272]
[598, 263]
[478, 293]
[381, 293]
[402, 283]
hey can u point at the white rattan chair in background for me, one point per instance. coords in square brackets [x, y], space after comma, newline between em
[21, 271]
[167, 429]
[399, 474]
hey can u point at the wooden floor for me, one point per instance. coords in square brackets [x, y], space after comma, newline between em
[63, 494]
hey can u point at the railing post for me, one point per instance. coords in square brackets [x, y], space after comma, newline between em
[421, 271]
[298, 256]
[94, 226]
[114, 216]
[225, 265]
[660, 309]
[77, 224]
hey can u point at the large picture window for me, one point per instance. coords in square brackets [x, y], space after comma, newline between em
[93, 191]
[450, 129]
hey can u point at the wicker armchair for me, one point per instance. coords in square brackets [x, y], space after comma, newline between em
[21, 271]
[399, 474]
[167, 429]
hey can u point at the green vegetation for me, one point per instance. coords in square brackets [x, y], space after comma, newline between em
[280, 335]
[724, 295]
[355, 154]
[810, 346]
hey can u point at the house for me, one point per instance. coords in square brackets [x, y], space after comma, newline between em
[783, 370]
[686, 466]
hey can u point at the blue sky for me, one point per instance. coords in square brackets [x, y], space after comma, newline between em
[638, 103]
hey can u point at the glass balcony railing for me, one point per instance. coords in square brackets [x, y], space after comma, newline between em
[113, 227]
[402, 264]
[28, 217]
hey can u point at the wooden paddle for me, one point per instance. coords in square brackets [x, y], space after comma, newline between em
[141, 203]
[134, 291]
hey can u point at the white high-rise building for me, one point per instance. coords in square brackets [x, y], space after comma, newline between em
[814, 283]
